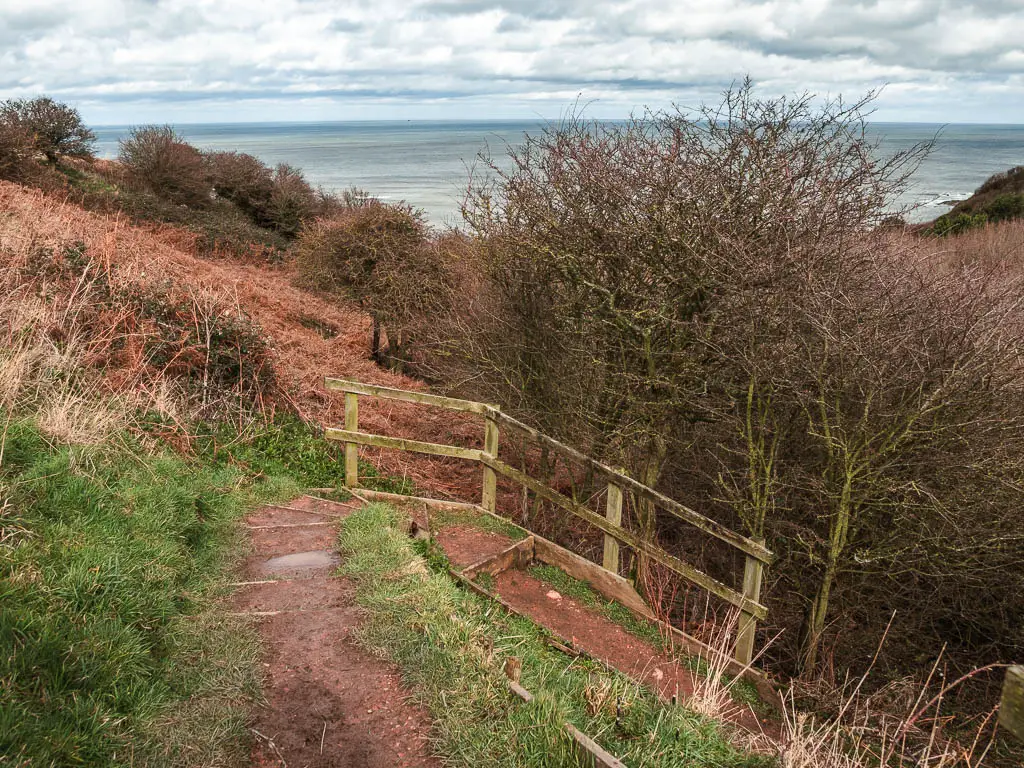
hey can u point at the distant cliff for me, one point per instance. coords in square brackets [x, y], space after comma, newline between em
[1000, 198]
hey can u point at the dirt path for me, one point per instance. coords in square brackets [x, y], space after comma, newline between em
[329, 703]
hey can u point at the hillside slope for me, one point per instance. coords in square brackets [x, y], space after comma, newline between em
[311, 337]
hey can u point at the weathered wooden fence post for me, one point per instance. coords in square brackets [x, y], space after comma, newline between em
[351, 449]
[752, 572]
[489, 497]
[1011, 708]
[613, 513]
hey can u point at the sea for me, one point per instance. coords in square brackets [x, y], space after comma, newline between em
[428, 164]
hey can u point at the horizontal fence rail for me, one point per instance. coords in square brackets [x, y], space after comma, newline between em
[747, 600]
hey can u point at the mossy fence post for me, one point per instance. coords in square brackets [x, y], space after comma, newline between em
[1011, 708]
[753, 571]
[351, 449]
[489, 496]
[613, 513]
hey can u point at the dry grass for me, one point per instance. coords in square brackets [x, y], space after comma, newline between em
[997, 246]
[30, 220]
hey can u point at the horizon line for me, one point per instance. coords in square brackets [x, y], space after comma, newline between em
[532, 121]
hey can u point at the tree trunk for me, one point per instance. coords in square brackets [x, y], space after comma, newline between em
[375, 341]
[814, 623]
[839, 534]
[650, 472]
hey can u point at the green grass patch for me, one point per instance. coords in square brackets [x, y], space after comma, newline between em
[449, 516]
[289, 446]
[451, 645]
[486, 581]
[111, 562]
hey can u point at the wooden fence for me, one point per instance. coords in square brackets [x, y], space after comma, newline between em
[747, 601]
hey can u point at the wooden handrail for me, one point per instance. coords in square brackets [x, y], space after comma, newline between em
[673, 507]
[406, 395]
[757, 555]
[653, 551]
[402, 444]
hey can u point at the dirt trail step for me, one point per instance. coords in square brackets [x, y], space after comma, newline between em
[329, 703]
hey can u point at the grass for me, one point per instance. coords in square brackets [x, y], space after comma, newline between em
[451, 645]
[111, 564]
[446, 517]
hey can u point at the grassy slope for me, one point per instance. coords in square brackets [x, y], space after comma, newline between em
[114, 652]
[452, 644]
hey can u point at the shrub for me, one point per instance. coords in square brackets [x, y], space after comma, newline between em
[378, 254]
[292, 201]
[955, 223]
[1005, 207]
[279, 199]
[242, 179]
[160, 160]
[748, 345]
[16, 150]
[57, 129]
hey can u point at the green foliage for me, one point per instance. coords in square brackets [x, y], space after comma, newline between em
[1000, 198]
[433, 555]
[955, 223]
[110, 562]
[1005, 207]
[285, 445]
[451, 646]
[56, 129]
[379, 255]
[1000, 208]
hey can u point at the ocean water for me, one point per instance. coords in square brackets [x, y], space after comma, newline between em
[428, 163]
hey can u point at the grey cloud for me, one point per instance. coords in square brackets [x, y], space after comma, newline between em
[116, 51]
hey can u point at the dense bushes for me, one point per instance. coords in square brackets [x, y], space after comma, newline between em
[160, 160]
[748, 344]
[56, 129]
[279, 199]
[16, 151]
[380, 255]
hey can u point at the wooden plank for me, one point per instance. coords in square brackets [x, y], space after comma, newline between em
[747, 631]
[694, 518]
[1011, 707]
[519, 691]
[366, 494]
[403, 444]
[405, 395]
[602, 758]
[671, 562]
[613, 513]
[609, 584]
[489, 495]
[517, 556]
[351, 449]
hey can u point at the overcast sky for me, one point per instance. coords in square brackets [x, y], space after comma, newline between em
[135, 61]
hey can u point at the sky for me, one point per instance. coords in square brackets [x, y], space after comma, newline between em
[189, 61]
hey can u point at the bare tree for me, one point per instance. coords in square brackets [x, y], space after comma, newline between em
[380, 255]
[57, 129]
